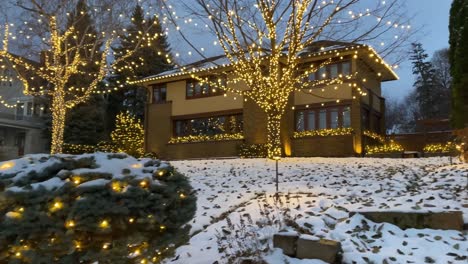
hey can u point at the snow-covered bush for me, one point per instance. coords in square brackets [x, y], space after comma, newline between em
[110, 208]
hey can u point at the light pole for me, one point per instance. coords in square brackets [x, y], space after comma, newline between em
[276, 160]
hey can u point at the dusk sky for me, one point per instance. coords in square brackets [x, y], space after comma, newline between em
[434, 16]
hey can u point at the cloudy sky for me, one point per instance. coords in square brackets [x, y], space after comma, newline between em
[434, 16]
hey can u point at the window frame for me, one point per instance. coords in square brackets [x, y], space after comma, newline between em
[227, 125]
[317, 75]
[317, 109]
[159, 88]
[193, 84]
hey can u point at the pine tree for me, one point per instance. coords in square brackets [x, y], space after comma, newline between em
[458, 28]
[128, 135]
[149, 60]
[425, 84]
[85, 123]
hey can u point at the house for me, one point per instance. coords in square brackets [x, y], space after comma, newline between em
[186, 119]
[21, 117]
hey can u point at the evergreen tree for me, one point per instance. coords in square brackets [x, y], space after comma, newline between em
[149, 60]
[458, 28]
[85, 123]
[425, 84]
[128, 135]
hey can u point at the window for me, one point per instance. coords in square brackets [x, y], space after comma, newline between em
[196, 89]
[29, 109]
[347, 116]
[311, 120]
[159, 94]
[334, 122]
[300, 125]
[36, 109]
[226, 124]
[323, 118]
[19, 111]
[331, 71]
[346, 68]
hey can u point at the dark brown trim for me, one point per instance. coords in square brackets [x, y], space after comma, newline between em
[219, 91]
[327, 104]
[339, 107]
[158, 88]
[208, 114]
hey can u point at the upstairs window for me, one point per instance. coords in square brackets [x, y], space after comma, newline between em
[331, 71]
[197, 89]
[159, 94]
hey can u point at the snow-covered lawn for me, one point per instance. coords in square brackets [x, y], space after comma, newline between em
[236, 211]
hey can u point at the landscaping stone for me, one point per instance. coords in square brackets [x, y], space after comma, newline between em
[287, 242]
[434, 220]
[323, 249]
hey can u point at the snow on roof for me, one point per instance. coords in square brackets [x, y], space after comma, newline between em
[316, 49]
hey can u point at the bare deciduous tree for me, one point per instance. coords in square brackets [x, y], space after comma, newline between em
[264, 40]
[65, 51]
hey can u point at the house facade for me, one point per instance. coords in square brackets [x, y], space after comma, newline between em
[21, 117]
[188, 119]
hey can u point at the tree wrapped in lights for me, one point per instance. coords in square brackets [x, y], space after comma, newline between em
[128, 135]
[67, 53]
[265, 39]
[76, 213]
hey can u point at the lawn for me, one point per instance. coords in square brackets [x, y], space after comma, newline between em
[237, 215]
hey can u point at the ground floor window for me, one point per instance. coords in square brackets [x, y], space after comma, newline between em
[323, 118]
[224, 124]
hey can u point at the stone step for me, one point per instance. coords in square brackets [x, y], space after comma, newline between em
[305, 247]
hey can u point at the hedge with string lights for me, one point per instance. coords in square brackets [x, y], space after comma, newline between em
[110, 208]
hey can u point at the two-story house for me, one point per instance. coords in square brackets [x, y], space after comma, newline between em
[189, 119]
[21, 117]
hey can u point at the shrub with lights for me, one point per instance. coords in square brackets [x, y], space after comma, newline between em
[448, 147]
[110, 208]
[383, 146]
[253, 150]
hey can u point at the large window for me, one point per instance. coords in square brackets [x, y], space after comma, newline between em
[323, 118]
[331, 71]
[225, 124]
[159, 94]
[197, 89]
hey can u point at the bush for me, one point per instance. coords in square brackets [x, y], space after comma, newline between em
[253, 151]
[109, 208]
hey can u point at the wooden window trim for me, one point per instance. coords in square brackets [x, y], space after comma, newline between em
[316, 109]
[158, 87]
[187, 120]
[219, 91]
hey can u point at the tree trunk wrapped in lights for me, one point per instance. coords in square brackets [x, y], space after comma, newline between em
[265, 39]
[74, 58]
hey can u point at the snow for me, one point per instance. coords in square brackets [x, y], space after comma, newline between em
[236, 196]
[23, 171]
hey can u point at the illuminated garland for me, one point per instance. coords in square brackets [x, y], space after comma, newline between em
[204, 138]
[440, 147]
[390, 147]
[374, 136]
[324, 132]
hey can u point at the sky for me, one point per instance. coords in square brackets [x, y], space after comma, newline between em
[434, 16]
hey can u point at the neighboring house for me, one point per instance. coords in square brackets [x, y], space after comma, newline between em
[21, 117]
[187, 120]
